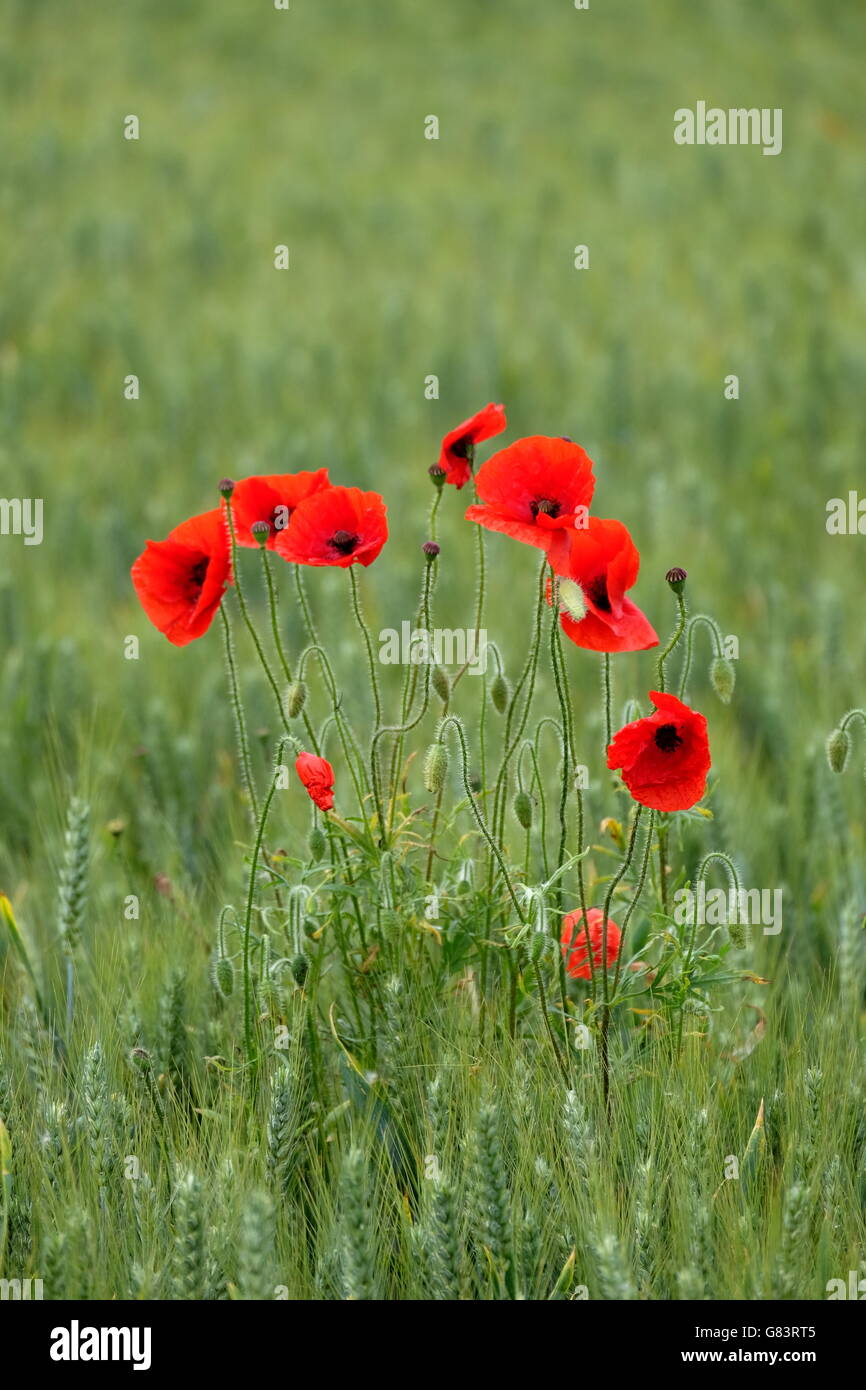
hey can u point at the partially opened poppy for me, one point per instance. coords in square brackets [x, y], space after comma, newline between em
[180, 581]
[536, 490]
[574, 942]
[458, 446]
[337, 526]
[273, 498]
[317, 775]
[602, 562]
[665, 757]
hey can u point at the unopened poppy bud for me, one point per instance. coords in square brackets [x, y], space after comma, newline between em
[677, 579]
[317, 842]
[838, 748]
[260, 531]
[435, 767]
[224, 974]
[437, 474]
[227, 487]
[723, 678]
[300, 967]
[499, 693]
[441, 684]
[522, 807]
[431, 549]
[296, 698]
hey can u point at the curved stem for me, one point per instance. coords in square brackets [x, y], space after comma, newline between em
[695, 621]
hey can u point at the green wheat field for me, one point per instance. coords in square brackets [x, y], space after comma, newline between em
[340, 1065]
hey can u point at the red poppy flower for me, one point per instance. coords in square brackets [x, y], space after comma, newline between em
[272, 498]
[536, 490]
[337, 526]
[602, 563]
[665, 757]
[458, 447]
[317, 776]
[180, 581]
[574, 932]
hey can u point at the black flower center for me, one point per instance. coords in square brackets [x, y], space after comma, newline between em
[280, 517]
[596, 591]
[545, 505]
[463, 448]
[198, 574]
[667, 740]
[344, 542]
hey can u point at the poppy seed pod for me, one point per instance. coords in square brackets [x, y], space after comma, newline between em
[723, 678]
[227, 487]
[435, 767]
[499, 693]
[441, 684]
[838, 747]
[677, 577]
[431, 549]
[437, 475]
[296, 698]
[522, 807]
[260, 530]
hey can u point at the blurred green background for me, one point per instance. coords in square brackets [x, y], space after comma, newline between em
[412, 257]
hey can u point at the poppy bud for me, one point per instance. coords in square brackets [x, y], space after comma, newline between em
[838, 748]
[227, 487]
[499, 693]
[260, 530]
[300, 967]
[522, 808]
[441, 684]
[437, 474]
[224, 975]
[723, 678]
[296, 698]
[317, 842]
[677, 579]
[435, 767]
[431, 549]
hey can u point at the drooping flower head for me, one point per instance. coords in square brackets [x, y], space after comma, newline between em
[536, 490]
[601, 563]
[337, 526]
[458, 446]
[317, 776]
[180, 581]
[574, 942]
[664, 757]
[271, 498]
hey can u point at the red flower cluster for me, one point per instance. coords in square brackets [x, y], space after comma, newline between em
[538, 491]
[576, 933]
[665, 757]
[181, 580]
